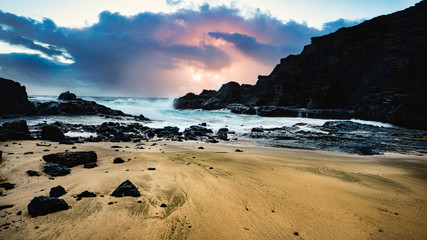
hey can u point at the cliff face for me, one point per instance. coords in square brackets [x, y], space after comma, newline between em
[13, 98]
[376, 69]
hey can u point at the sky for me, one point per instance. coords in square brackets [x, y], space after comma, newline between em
[162, 48]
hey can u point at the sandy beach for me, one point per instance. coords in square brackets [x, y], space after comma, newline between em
[218, 193]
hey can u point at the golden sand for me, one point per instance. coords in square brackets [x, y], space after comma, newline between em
[217, 193]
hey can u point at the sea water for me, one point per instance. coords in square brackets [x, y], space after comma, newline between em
[162, 113]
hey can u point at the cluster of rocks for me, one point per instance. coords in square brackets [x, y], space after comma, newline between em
[43, 205]
[127, 132]
[14, 103]
[372, 71]
[344, 136]
[62, 162]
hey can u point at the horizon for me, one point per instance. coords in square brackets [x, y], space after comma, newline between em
[164, 49]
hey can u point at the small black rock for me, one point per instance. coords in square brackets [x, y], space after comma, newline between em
[86, 194]
[126, 189]
[5, 206]
[57, 191]
[201, 148]
[238, 150]
[90, 165]
[163, 205]
[56, 170]
[7, 186]
[151, 168]
[119, 160]
[33, 173]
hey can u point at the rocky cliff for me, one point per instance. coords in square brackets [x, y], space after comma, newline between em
[375, 71]
[13, 98]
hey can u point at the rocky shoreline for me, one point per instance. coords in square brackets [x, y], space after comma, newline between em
[372, 71]
[15, 104]
[343, 136]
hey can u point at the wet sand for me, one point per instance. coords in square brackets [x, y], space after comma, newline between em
[217, 193]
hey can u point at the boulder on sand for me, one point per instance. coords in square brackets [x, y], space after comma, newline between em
[19, 126]
[57, 191]
[71, 159]
[126, 189]
[15, 130]
[52, 132]
[55, 170]
[41, 205]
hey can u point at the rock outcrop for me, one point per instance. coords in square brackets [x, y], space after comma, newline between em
[15, 130]
[374, 71]
[14, 101]
[13, 98]
[67, 96]
[74, 106]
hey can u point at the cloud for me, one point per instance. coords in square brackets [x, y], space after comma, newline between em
[151, 54]
[174, 2]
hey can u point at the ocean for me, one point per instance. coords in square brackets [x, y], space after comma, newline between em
[362, 137]
[162, 113]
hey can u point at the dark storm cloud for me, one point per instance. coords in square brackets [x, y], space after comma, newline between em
[124, 51]
[295, 35]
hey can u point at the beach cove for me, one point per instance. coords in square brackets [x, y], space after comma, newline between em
[197, 190]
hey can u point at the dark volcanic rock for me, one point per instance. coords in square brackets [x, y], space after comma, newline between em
[52, 132]
[198, 130]
[90, 165]
[13, 98]
[118, 160]
[6, 206]
[56, 170]
[374, 71]
[41, 205]
[210, 99]
[15, 130]
[33, 173]
[74, 107]
[57, 191]
[86, 194]
[7, 134]
[71, 159]
[19, 126]
[222, 133]
[126, 189]
[7, 186]
[67, 96]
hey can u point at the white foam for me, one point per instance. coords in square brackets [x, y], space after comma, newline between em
[162, 112]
